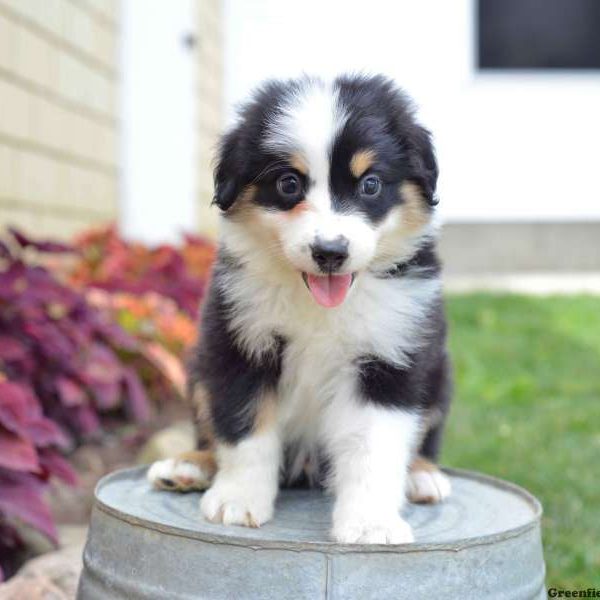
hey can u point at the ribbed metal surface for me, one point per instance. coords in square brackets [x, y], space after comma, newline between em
[484, 542]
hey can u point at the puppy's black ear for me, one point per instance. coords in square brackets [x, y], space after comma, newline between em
[229, 171]
[425, 164]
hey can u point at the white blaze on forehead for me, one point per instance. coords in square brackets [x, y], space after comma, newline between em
[308, 125]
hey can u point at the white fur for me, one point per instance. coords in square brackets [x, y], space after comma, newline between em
[183, 475]
[370, 449]
[380, 317]
[318, 403]
[428, 486]
[245, 487]
[308, 126]
[309, 123]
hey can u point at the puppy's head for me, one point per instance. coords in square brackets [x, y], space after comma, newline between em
[327, 180]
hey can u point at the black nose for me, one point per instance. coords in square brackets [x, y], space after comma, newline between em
[330, 254]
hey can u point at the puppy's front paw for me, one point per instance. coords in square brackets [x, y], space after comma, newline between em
[178, 475]
[428, 486]
[232, 504]
[393, 530]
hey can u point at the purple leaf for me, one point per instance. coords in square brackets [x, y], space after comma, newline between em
[5, 251]
[44, 432]
[12, 280]
[46, 246]
[70, 393]
[21, 497]
[11, 349]
[54, 464]
[50, 340]
[86, 420]
[102, 366]
[21, 414]
[107, 395]
[17, 453]
[136, 400]
[18, 406]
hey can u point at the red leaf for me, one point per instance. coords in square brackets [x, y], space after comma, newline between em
[21, 497]
[54, 464]
[17, 453]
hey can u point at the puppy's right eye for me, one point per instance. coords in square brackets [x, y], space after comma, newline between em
[289, 186]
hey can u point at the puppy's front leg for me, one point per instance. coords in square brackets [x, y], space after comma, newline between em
[245, 486]
[370, 448]
[244, 489]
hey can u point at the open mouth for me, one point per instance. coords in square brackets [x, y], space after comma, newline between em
[330, 289]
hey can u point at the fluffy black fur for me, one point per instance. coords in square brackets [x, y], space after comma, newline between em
[381, 117]
[225, 372]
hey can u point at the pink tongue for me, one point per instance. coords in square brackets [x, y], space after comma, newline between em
[329, 290]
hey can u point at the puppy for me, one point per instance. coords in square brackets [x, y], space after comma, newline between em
[322, 357]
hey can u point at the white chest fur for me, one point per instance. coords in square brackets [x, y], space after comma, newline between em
[380, 317]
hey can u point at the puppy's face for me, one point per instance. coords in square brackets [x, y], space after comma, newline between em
[331, 179]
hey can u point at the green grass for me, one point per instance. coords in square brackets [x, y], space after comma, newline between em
[527, 409]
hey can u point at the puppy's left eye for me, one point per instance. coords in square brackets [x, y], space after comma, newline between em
[289, 186]
[369, 186]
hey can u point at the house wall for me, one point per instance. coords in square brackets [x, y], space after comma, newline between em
[171, 101]
[511, 147]
[210, 106]
[58, 116]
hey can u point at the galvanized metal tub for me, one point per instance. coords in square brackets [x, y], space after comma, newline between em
[484, 542]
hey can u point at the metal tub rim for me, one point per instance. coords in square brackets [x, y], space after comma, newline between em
[332, 547]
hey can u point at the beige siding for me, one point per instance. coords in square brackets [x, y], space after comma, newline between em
[58, 114]
[210, 94]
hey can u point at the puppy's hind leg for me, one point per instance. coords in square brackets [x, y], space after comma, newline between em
[426, 483]
[187, 472]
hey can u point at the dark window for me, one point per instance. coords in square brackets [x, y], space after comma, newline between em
[538, 34]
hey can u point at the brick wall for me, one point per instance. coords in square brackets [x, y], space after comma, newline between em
[58, 114]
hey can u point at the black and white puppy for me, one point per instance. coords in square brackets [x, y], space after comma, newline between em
[322, 356]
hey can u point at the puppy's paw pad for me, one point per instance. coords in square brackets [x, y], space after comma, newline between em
[428, 486]
[177, 475]
[219, 505]
[393, 531]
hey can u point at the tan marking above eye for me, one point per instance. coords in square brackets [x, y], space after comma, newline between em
[361, 161]
[298, 163]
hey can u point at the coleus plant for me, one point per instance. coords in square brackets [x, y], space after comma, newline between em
[108, 262]
[66, 372]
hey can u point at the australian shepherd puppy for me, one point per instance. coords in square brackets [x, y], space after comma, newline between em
[322, 357]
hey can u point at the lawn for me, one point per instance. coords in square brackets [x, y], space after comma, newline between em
[527, 409]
